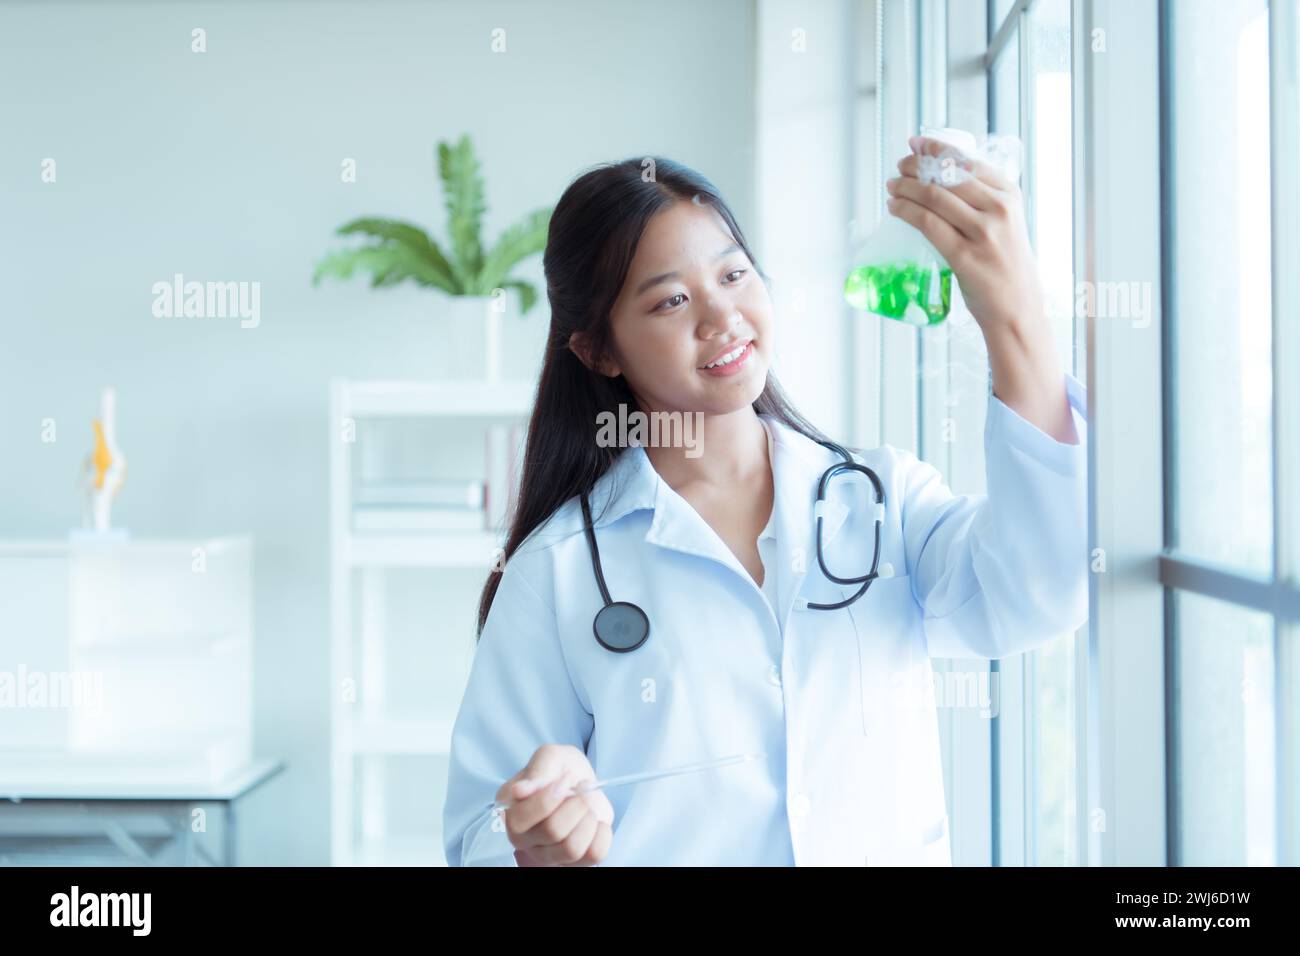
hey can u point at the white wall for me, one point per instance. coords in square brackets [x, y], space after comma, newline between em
[225, 166]
[805, 168]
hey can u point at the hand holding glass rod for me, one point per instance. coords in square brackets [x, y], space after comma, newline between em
[589, 785]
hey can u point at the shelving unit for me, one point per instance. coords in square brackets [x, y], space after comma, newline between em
[370, 731]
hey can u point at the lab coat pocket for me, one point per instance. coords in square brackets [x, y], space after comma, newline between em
[885, 621]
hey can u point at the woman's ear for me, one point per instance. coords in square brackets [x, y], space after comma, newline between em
[579, 346]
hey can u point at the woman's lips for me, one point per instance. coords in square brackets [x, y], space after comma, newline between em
[731, 368]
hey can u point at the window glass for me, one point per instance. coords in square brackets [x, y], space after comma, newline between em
[1221, 309]
[1005, 89]
[1224, 778]
[1048, 186]
[1048, 165]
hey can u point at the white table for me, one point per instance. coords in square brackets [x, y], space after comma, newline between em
[123, 813]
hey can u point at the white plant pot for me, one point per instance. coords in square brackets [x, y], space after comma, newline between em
[482, 318]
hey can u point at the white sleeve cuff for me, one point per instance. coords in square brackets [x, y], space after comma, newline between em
[1006, 426]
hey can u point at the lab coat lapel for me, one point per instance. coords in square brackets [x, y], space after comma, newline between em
[679, 527]
[798, 466]
[632, 484]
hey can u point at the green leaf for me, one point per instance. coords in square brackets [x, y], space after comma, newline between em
[521, 240]
[388, 263]
[342, 263]
[413, 237]
[462, 186]
[439, 263]
[388, 229]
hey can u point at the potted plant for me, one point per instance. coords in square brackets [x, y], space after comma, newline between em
[477, 281]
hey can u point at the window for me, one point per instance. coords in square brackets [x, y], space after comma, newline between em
[1029, 93]
[1224, 122]
[1010, 779]
[1231, 486]
[1225, 734]
[1156, 140]
[1051, 675]
[1220, 281]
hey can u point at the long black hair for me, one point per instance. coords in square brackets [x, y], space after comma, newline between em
[593, 236]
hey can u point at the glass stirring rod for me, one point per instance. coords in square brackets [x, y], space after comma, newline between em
[589, 785]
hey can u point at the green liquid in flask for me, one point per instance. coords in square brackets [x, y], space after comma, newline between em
[902, 291]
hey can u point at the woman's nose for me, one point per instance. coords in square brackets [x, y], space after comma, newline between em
[723, 316]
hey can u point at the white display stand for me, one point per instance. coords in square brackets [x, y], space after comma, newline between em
[370, 729]
[125, 663]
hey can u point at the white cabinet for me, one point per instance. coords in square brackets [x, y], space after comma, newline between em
[125, 662]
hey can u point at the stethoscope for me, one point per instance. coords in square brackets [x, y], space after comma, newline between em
[621, 626]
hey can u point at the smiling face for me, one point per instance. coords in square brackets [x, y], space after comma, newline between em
[691, 296]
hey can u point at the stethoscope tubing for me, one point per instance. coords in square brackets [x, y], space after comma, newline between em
[629, 616]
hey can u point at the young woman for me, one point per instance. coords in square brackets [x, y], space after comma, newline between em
[743, 643]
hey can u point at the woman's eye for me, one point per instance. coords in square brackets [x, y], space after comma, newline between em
[669, 303]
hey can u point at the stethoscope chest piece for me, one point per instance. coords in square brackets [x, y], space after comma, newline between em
[621, 626]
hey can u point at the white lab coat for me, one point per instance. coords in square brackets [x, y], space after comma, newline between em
[840, 701]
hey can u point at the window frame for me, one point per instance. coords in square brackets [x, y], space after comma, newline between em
[1284, 52]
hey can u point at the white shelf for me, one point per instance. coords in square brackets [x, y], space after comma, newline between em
[466, 399]
[361, 653]
[59, 547]
[443, 549]
[211, 642]
[401, 735]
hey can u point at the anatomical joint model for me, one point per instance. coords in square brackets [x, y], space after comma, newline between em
[104, 469]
